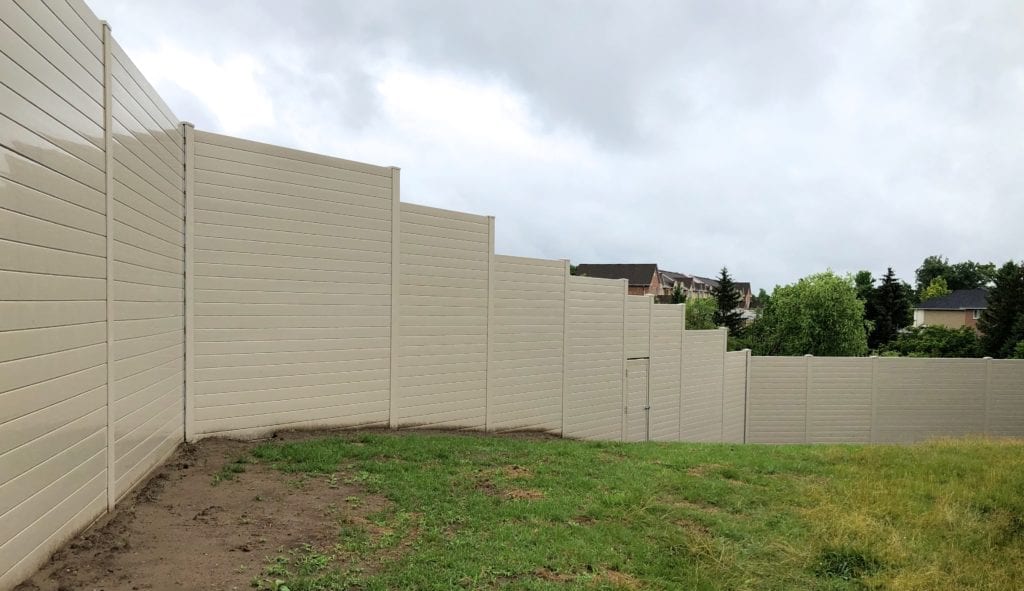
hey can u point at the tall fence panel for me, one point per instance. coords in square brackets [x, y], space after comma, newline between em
[1005, 392]
[292, 288]
[53, 312]
[148, 275]
[701, 413]
[735, 393]
[595, 359]
[922, 398]
[777, 405]
[524, 368]
[638, 326]
[666, 371]
[839, 404]
[442, 343]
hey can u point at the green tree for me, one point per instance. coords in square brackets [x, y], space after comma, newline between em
[963, 275]
[727, 300]
[864, 282]
[700, 313]
[760, 299]
[1002, 323]
[889, 309]
[819, 314]
[936, 341]
[678, 297]
[936, 289]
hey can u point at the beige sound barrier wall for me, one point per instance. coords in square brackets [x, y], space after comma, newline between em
[839, 393]
[524, 370]
[91, 246]
[702, 406]
[666, 370]
[148, 275]
[292, 286]
[441, 376]
[777, 405]
[594, 358]
[735, 396]
[921, 398]
[1005, 403]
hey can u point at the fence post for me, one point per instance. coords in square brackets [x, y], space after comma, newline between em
[108, 164]
[188, 133]
[565, 337]
[725, 358]
[988, 391]
[682, 373]
[874, 398]
[807, 395]
[746, 396]
[488, 410]
[650, 357]
[622, 409]
[396, 246]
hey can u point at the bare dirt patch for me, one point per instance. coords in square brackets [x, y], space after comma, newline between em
[179, 531]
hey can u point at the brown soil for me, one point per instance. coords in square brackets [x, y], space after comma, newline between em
[179, 531]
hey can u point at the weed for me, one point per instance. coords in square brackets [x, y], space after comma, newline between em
[229, 471]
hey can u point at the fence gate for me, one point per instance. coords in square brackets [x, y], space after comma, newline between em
[638, 404]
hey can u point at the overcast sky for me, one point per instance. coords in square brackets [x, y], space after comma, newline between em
[776, 138]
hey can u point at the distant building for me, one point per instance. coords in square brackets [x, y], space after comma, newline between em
[694, 286]
[643, 278]
[962, 307]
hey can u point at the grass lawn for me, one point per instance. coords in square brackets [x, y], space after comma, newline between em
[490, 512]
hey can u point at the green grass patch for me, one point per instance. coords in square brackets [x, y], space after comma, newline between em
[489, 512]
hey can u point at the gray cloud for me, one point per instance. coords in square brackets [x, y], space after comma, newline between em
[776, 138]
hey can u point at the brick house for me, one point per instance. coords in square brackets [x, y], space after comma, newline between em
[643, 278]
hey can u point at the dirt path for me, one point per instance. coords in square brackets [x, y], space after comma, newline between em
[179, 531]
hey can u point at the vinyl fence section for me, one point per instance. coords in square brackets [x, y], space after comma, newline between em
[526, 336]
[881, 400]
[292, 289]
[441, 376]
[160, 283]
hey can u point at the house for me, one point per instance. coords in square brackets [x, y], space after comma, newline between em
[694, 286]
[962, 307]
[644, 278]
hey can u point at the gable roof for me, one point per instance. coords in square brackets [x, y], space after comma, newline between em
[960, 299]
[638, 274]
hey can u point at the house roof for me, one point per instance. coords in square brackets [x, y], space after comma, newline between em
[708, 280]
[638, 274]
[960, 299]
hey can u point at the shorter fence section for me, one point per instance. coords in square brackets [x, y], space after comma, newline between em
[881, 400]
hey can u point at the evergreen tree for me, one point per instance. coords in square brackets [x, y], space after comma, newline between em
[728, 299]
[889, 309]
[865, 284]
[678, 297]
[1002, 323]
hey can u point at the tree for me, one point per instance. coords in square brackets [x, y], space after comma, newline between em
[865, 284]
[819, 314]
[678, 297]
[964, 275]
[700, 313]
[936, 341]
[889, 309]
[936, 289]
[727, 299]
[760, 299]
[1002, 323]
